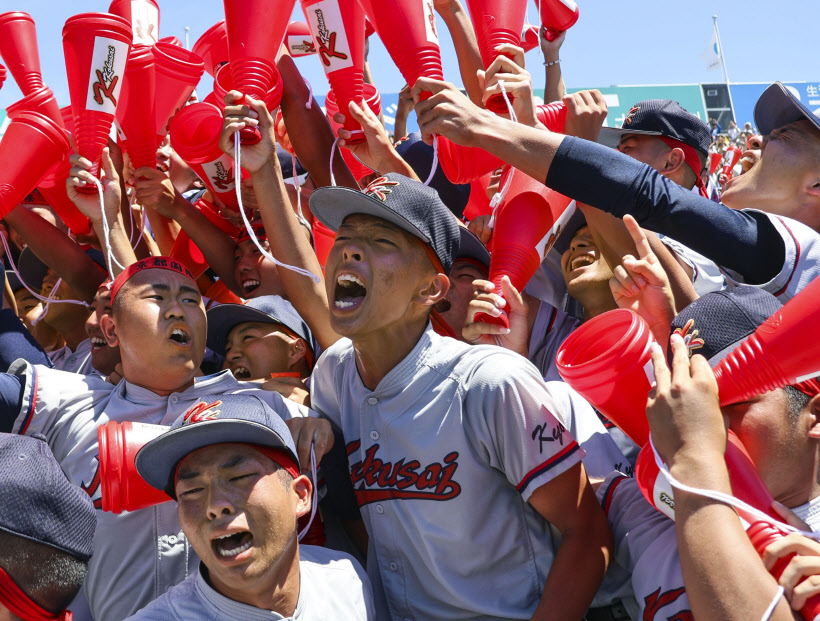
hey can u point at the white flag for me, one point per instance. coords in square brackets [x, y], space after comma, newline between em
[712, 55]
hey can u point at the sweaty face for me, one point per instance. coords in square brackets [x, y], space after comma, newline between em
[159, 324]
[254, 350]
[647, 149]
[103, 357]
[373, 272]
[237, 514]
[461, 292]
[255, 274]
[585, 270]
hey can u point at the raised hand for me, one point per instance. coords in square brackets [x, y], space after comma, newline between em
[514, 338]
[517, 82]
[253, 114]
[89, 203]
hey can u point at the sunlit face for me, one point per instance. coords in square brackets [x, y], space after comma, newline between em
[255, 274]
[103, 357]
[254, 350]
[461, 292]
[239, 515]
[585, 270]
[649, 150]
[374, 272]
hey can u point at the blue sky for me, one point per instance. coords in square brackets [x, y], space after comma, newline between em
[614, 42]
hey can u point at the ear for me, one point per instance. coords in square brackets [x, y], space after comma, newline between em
[297, 350]
[814, 412]
[674, 160]
[433, 290]
[303, 489]
[109, 330]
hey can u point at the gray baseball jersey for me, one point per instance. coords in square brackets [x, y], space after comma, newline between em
[443, 456]
[332, 586]
[75, 361]
[137, 555]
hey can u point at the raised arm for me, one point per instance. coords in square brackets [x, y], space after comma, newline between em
[466, 46]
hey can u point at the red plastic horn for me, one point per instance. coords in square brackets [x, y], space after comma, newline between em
[122, 488]
[298, 40]
[256, 29]
[408, 30]
[172, 40]
[143, 15]
[96, 47]
[557, 16]
[731, 157]
[478, 203]
[223, 84]
[187, 252]
[212, 47]
[323, 240]
[32, 146]
[18, 47]
[338, 31]
[607, 360]
[496, 22]
[177, 73]
[529, 37]
[527, 225]
[135, 112]
[41, 100]
[780, 352]
[2, 75]
[195, 137]
[374, 101]
[714, 162]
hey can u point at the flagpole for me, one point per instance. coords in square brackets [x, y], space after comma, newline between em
[725, 72]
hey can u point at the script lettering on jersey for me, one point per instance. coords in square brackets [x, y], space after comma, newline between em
[546, 433]
[223, 178]
[106, 80]
[657, 600]
[374, 479]
[93, 488]
[327, 41]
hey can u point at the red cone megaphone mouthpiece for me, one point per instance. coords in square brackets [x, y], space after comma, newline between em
[18, 47]
[122, 488]
[557, 16]
[143, 15]
[223, 84]
[553, 116]
[96, 47]
[526, 226]
[31, 147]
[177, 73]
[338, 32]
[135, 112]
[409, 32]
[2, 75]
[779, 353]
[299, 40]
[608, 361]
[374, 102]
[172, 40]
[212, 47]
[41, 100]
[496, 22]
[730, 159]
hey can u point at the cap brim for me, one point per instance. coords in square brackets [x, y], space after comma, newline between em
[575, 222]
[777, 107]
[470, 247]
[611, 136]
[333, 204]
[225, 317]
[157, 460]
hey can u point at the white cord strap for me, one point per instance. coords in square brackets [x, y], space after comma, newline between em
[315, 496]
[248, 227]
[109, 254]
[770, 610]
[502, 193]
[434, 166]
[299, 214]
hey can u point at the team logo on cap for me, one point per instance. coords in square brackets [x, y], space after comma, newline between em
[630, 115]
[690, 336]
[200, 412]
[380, 188]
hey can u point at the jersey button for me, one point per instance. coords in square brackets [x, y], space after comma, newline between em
[174, 398]
[374, 435]
[393, 567]
[379, 509]
[372, 400]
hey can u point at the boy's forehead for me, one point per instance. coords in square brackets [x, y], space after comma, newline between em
[363, 220]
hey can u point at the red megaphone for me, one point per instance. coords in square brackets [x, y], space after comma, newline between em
[299, 40]
[779, 353]
[730, 158]
[18, 47]
[338, 32]
[255, 30]
[374, 101]
[526, 226]
[714, 162]
[496, 22]
[212, 47]
[408, 30]
[41, 100]
[529, 37]
[187, 252]
[136, 117]
[177, 73]
[2, 75]
[31, 147]
[172, 40]
[479, 203]
[96, 47]
[195, 135]
[323, 240]
[223, 84]
[122, 488]
[557, 16]
[552, 115]
[607, 360]
[143, 15]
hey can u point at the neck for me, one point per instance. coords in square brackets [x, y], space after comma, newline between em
[162, 392]
[378, 353]
[278, 590]
[598, 306]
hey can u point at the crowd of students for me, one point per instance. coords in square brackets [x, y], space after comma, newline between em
[349, 433]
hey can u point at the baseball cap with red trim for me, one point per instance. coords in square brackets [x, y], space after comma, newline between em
[778, 106]
[150, 263]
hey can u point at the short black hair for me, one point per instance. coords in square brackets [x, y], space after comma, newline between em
[50, 577]
[797, 401]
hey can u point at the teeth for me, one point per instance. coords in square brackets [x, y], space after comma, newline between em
[251, 283]
[241, 371]
[235, 551]
[346, 279]
[581, 261]
[343, 304]
[98, 342]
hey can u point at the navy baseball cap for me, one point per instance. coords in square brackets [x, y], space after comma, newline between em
[661, 117]
[39, 502]
[778, 106]
[236, 418]
[271, 309]
[14, 282]
[471, 248]
[32, 270]
[404, 202]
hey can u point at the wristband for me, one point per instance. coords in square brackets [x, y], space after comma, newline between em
[550, 64]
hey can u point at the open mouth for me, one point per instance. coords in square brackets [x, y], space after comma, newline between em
[241, 372]
[179, 336]
[98, 342]
[250, 286]
[583, 260]
[230, 546]
[349, 292]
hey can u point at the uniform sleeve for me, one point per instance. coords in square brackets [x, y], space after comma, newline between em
[17, 342]
[323, 393]
[745, 242]
[513, 420]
